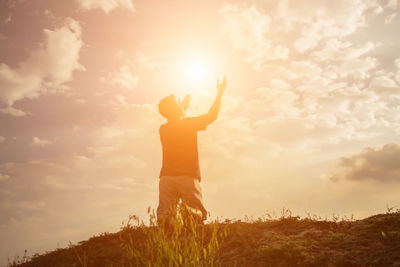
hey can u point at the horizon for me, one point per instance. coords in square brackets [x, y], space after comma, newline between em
[310, 119]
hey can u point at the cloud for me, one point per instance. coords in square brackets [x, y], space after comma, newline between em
[30, 206]
[324, 19]
[123, 77]
[397, 63]
[384, 85]
[338, 50]
[390, 18]
[303, 44]
[4, 177]
[371, 164]
[248, 28]
[262, 32]
[393, 4]
[147, 62]
[46, 68]
[122, 154]
[106, 5]
[36, 141]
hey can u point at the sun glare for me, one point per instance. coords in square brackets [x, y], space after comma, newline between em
[196, 70]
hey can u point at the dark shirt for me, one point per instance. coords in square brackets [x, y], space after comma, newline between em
[179, 146]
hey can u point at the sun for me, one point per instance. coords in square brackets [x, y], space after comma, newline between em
[196, 70]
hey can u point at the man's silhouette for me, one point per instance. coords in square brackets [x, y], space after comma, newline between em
[180, 172]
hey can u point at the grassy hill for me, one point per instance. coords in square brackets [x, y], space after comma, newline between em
[284, 241]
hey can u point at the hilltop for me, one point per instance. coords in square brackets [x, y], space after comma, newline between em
[285, 241]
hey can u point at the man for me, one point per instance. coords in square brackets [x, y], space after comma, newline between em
[180, 172]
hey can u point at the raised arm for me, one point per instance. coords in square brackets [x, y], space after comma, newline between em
[216, 106]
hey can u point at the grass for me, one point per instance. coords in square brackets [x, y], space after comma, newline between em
[185, 243]
[283, 240]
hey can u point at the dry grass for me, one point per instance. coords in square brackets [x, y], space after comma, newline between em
[272, 240]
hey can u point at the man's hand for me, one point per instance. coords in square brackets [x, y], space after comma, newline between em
[216, 106]
[221, 86]
[185, 102]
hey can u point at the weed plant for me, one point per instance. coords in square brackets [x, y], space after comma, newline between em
[181, 242]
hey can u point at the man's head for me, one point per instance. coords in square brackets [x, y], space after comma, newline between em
[169, 108]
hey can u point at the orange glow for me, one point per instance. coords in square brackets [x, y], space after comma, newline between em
[196, 70]
[310, 118]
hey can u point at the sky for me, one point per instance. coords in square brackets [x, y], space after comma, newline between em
[310, 119]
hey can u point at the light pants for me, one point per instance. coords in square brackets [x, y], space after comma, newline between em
[173, 188]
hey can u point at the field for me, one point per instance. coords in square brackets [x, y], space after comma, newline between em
[284, 240]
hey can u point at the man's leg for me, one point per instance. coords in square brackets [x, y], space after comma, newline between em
[168, 200]
[192, 198]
